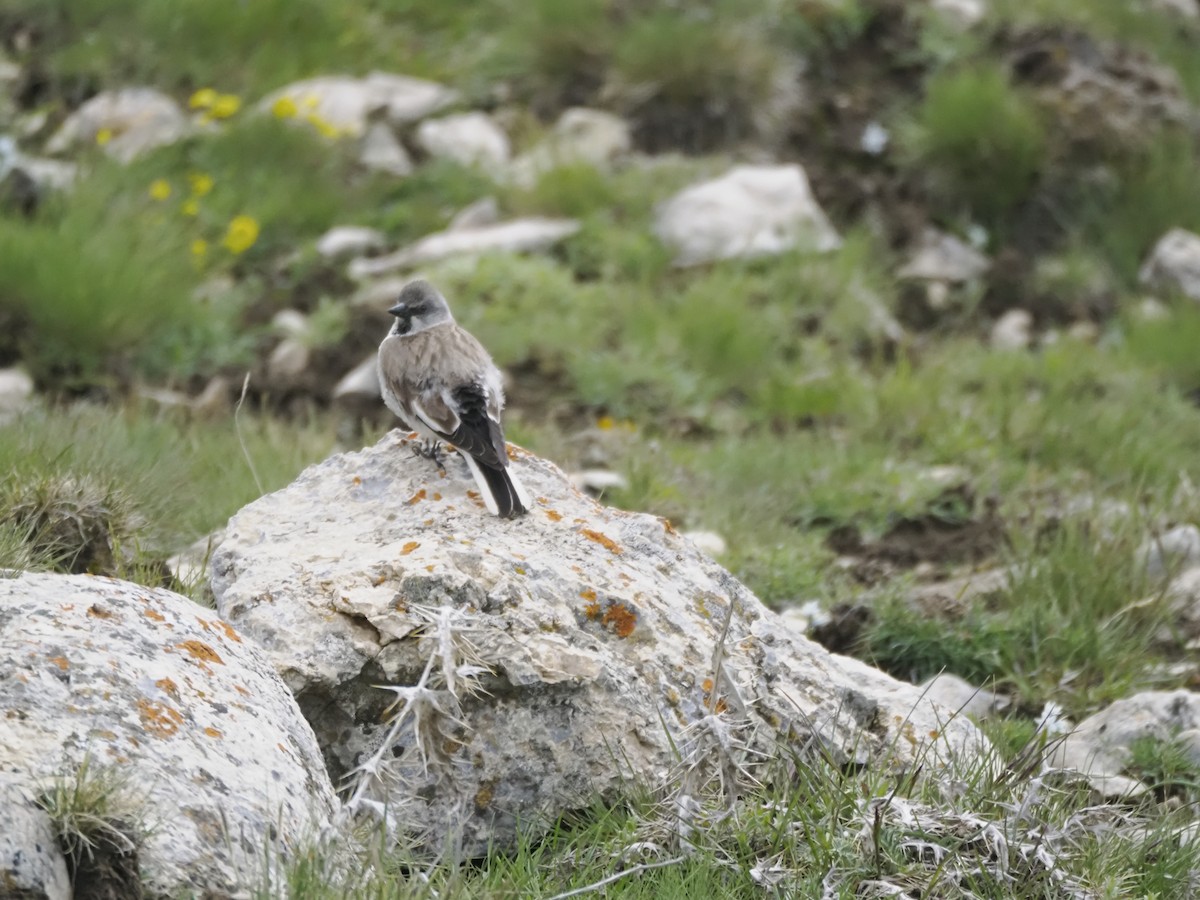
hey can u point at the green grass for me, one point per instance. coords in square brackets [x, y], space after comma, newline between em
[982, 140]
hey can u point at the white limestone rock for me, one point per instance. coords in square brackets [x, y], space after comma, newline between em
[943, 257]
[137, 119]
[187, 710]
[592, 631]
[580, 136]
[961, 14]
[516, 236]
[956, 694]
[1012, 331]
[381, 151]
[16, 393]
[343, 241]
[359, 384]
[1174, 264]
[750, 211]
[1175, 549]
[346, 103]
[1099, 747]
[470, 139]
[31, 863]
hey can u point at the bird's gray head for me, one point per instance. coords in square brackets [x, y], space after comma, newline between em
[419, 306]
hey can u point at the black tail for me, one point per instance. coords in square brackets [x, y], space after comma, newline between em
[504, 492]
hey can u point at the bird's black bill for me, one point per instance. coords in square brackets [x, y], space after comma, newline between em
[399, 310]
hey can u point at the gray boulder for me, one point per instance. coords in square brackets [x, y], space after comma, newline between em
[1174, 264]
[478, 677]
[112, 675]
[470, 139]
[133, 121]
[750, 211]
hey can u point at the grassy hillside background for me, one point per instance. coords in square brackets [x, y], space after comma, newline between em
[848, 438]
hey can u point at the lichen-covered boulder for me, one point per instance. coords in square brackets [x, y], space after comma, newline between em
[144, 687]
[519, 669]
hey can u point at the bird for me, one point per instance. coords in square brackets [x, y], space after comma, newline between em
[440, 381]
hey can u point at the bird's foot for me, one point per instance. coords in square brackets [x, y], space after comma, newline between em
[430, 449]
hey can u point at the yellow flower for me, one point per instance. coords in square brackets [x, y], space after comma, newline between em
[103, 136]
[201, 183]
[203, 98]
[327, 129]
[190, 207]
[224, 106]
[284, 108]
[310, 101]
[241, 234]
[605, 423]
[160, 189]
[199, 248]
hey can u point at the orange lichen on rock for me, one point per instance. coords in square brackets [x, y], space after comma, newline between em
[213, 732]
[553, 516]
[201, 651]
[603, 540]
[437, 496]
[483, 797]
[409, 547]
[621, 619]
[61, 662]
[668, 527]
[158, 719]
[154, 614]
[229, 632]
[416, 498]
[167, 686]
[96, 611]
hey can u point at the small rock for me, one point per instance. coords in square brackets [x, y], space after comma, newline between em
[379, 295]
[802, 617]
[962, 14]
[135, 120]
[470, 139]
[1171, 551]
[588, 136]
[1151, 309]
[943, 257]
[287, 362]
[31, 863]
[750, 211]
[349, 240]
[16, 391]
[360, 383]
[874, 139]
[517, 236]
[1174, 264]
[213, 401]
[961, 697]
[598, 481]
[707, 542]
[382, 152]
[476, 215]
[1012, 331]
[290, 323]
[1187, 9]
[345, 104]
[1100, 746]
[1084, 331]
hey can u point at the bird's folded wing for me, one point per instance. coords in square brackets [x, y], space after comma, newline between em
[464, 422]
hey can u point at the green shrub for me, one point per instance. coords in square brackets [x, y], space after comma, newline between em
[980, 139]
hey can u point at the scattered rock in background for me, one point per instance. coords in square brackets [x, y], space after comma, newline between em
[1174, 264]
[288, 362]
[598, 481]
[16, 394]
[708, 542]
[1012, 331]
[591, 630]
[750, 211]
[960, 696]
[962, 14]
[515, 236]
[1170, 552]
[381, 151]
[126, 123]
[485, 211]
[580, 136]
[32, 864]
[952, 597]
[345, 104]
[469, 139]
[345, 241]
[1100, 746]
[212, 744]
[1183, 599]
[190, 565]
[943, 257]
[1187, 9]
[358, 390]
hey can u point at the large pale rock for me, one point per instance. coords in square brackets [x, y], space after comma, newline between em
[347, 103]
[516, 236]
[134, 120]
[470, 139]
[344, 241]
[31, 863]
[1174, 263]
[16, 393]
[1100, 746]
[360, 384]
[179, 705]
[750, 211]
[592, 630]
[580, 136]
[381, 151]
